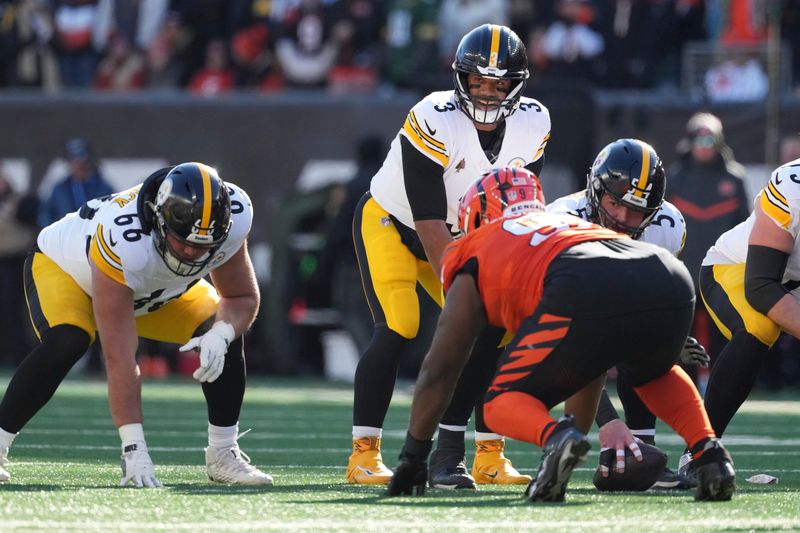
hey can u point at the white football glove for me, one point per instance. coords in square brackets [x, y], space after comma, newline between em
[138, 468]
[213, 346]
[693, 353]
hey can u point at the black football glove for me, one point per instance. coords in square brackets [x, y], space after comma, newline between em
[693, 353]
[411, 473]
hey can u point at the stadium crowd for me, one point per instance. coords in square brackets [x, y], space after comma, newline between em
[213, 46]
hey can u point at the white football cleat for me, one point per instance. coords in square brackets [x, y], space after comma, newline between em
[232, 466]
[4, 475]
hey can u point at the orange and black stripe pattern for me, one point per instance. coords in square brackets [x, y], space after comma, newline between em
[518, 362]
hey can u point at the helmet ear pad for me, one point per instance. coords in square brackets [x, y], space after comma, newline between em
[147, 196]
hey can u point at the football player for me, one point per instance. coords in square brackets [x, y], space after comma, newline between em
[748, 282]
[580, 299]
[132, 264]
[625, 192]
[409, 215]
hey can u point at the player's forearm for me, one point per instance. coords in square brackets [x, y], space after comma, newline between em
[434, 236]
[124, 385]
[239, 311]
[786, 313]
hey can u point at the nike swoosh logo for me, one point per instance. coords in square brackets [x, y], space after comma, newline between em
[111, 240]
[430, 130]
[778, 180]
[367, 472]
[487, 474]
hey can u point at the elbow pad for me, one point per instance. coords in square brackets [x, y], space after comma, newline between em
[762, 277]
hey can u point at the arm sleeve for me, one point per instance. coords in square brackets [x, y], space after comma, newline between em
[762, 277]
[605, 410]
[536, 166]
[424, 184]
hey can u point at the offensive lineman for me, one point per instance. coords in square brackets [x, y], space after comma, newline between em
[610, 200]
[409, 215]
[580, 299]
[748, 282]
[132, 264]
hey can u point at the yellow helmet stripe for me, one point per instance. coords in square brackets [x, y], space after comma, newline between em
[205, 220]
[494, 50]
[644, 173]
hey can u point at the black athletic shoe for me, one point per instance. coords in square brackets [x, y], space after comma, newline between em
[448, 470]
[565, 449]
[716, 479]
[670, 480]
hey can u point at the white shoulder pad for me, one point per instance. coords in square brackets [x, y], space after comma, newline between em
[780, 199]
[573, 204]
[667, 229]
[427, 128]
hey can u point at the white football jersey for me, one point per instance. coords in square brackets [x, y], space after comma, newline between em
[443, 133]
[109, 230]
[667, 229]
[780, 201]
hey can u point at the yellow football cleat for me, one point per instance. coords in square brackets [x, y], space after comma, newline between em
[365, 466]
[491, 467]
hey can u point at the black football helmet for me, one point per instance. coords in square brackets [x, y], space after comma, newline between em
[193, 206]
[631, 172]
[490, 51]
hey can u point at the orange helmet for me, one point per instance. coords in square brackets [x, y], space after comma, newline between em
[498, 193]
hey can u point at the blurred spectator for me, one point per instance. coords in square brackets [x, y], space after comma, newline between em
[308, 43]
[203, 21]
[136, 21]
[677, 22]
[644, 40]
[165, 68]
[18, 220]
[37, 62]
[253, 48]
[570, 45]
[358, 35]
[75, 20]
[9, 42]
[457, 17]
[411, 57]
[123, 69]
[736, 79]
[82, 184]
[706, 184]
[790, 148]
[217, 76]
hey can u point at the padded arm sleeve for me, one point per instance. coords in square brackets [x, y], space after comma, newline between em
[605, 410]
[424, 184]
[762, 277]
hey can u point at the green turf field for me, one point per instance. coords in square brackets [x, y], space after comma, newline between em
[65, 466]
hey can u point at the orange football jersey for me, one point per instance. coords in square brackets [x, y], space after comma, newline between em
[513, 255]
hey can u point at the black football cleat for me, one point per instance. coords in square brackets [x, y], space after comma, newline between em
[716, 479]
[448, 470]
[669, 480]
[566, 448]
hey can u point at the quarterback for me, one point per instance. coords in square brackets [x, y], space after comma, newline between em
[132, 264]
[579, 299]
[610, 200]
[749, 283]
[409, 215]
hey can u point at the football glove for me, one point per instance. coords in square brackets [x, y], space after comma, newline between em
[411, 473]
[138, 469]
[693, 353]
[213, 346]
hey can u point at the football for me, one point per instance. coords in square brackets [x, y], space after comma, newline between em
[637, 476]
